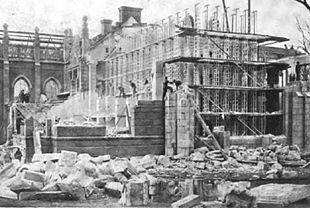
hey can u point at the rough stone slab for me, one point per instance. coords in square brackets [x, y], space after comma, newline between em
[72, 187]
[45, 157]
[187, 202]
[114, 189]
[101, 159]
[21, 184]
[67, 158]
[47, 195]
[7, 193]
[213, 204]
[280, 193]
[8, 171]
[33, 176]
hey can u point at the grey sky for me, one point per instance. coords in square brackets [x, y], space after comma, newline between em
[275, 17]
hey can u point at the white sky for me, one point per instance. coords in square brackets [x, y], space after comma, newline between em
[275, 17]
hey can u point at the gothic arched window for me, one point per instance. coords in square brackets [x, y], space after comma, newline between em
[51, 89]
[20, 84]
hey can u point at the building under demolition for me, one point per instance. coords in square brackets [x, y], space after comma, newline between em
[217, 70]
[171, 113]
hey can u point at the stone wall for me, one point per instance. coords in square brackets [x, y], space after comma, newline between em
[297, 114]
[148, 118]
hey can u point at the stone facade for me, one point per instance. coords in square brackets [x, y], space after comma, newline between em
[34, 62]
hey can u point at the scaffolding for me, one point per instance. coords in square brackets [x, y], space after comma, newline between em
[221, 64]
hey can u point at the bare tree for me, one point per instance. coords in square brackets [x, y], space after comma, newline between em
[305, 33]
[304, 29]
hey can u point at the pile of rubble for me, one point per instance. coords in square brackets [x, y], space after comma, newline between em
[274, 153]
[138, 180]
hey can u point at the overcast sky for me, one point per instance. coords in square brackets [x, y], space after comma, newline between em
[275, 17]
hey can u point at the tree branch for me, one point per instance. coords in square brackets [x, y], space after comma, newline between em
[304, 3]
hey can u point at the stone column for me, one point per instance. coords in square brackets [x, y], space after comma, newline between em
[37, 66]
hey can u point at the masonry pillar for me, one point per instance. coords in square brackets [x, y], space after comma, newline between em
[171, 124]
[92, 67]
[6, 66]
[6, 85]
[186, 124]
[37, 66]
[157, 85]
[67, 41]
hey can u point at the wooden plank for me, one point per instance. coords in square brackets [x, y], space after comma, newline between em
[206, 128]
[128, 119]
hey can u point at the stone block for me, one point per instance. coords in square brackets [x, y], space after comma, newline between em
[72, 187]
[33, 176]
[18, 184]
[213, 204]
[78, 131]
[101, 159]
[103, 180]
[135, 193]
[163, 160]
[7, 193]
[46, 157]
[187, 202]
[67, 158]
[114, 189]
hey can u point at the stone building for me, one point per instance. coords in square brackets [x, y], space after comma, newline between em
[29, 61]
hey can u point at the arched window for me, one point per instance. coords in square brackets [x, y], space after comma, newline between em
[20, 84]
[51, 89]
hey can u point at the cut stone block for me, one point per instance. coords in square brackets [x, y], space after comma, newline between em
[33, 176]
[114, 189]
[46, 195]
[46, 157]
[135, 193]
[187, 202]
[20, 184]
[67, 158]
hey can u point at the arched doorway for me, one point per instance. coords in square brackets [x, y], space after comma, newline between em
[21, 84]
[51, 89]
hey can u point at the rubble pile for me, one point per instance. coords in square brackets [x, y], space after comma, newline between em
[274, 153]
[138, 180]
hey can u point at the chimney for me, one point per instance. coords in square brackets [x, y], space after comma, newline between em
[106, 26]
[126, 12]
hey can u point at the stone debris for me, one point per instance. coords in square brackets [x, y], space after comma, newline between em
[139, 181]
[281, 194]
[187, 202]
[273, 153]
